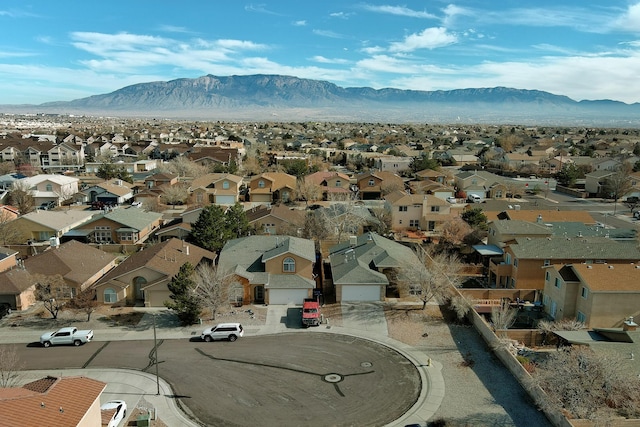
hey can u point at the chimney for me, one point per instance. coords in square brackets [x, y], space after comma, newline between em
[539, 219]
[187, 250]
[629, 325]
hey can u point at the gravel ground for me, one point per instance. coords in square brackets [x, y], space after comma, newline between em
[479, 390]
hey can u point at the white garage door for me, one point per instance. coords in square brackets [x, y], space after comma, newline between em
[225, 200]
[360, 293]
[287, 296]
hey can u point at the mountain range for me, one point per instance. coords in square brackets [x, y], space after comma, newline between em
[278, 98]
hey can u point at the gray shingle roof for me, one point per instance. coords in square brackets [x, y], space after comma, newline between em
[133, 218]
[353, 264]
[591, 248]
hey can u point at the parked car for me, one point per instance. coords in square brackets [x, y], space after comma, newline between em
[69, 335]
[452, 200]
[47, 206]
[5, 308]
[113, 412]
[230, 331]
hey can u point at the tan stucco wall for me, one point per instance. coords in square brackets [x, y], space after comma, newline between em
[93, 416]
[304, 267]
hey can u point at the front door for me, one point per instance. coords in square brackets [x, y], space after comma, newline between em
[258, 294]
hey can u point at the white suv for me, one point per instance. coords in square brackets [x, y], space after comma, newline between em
[230, 331]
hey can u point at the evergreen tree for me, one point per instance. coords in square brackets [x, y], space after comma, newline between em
[475, 218]
[568, 175]
[236, 222]
[210, 230]
[184, 301]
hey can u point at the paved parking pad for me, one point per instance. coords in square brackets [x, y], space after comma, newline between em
[292, 379]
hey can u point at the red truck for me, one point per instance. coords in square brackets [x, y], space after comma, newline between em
[311, 313]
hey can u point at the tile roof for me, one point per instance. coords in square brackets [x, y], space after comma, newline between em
[587, 248]
[50, 401]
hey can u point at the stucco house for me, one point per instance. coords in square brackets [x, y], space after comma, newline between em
[143, 277]
[272, 187]
[122, 225]
[271, 269]
[331, 183]
[50, 188]
[71, 401]
[599, 295]
[359, 267]
[42, 225]
[373, 185]
[215, 188]
[278, 219]
[114, 191]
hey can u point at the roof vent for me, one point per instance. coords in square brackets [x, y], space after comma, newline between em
[610, 267]
[353, 240]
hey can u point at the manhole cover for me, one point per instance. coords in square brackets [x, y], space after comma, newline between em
[333, 378]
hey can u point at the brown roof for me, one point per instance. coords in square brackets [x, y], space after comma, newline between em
[220, 154]
[76, 262]
[14, 282]
[609, 277]
[166, 257]
[320, 177]
[50, 401]
[551, 216]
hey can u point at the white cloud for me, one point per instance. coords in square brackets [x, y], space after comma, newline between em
[300, 23]
[430, 38]
[327, 33]
[323, 60]
[399, 11]
[630, 20]
[341, 15]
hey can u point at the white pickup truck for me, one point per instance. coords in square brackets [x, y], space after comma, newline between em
[68, 335]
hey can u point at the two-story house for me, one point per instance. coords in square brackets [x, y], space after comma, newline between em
[215, 188]
[374, 185]
[271, 269]
[331, 183]
[278, 219]
[599, 295]
[50, 188]
[523, 262]
[272, 187]
[417, 211]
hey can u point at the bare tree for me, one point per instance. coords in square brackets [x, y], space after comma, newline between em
[547, 327]
[21, 196]
[382, 224]
[85, 302]
[10, 366]
[503, 317]
[454, 231]
[343, 217]
[308, 191]
[618, 185]
[431, 277]
[214, 286]
[460, 305]
[389, 186]
[183, 167]
[175, 194]
[52, 291]
[590, 385]
[9, 233]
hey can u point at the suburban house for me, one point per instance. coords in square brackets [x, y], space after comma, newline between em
[417, 211]
[143, 277]
[502, 232]
[521, 266]
[78, 264]
[215, 155]
[373, 185]
[393, 164]
[38, 226]
[8, 259]
[272, 187]
[332, 183]
[271, 269]
[472, 182]
[133, 167]
[71, 401]
[360, 267]
[122, 225]
[434, 175]
[343, 219]
[50, 188]
[277, 219]
[215, 188]
[114, 191]
[599, 295]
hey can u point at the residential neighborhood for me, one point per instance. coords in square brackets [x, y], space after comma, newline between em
[539, 224]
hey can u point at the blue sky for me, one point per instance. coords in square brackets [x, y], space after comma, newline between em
[62, 50]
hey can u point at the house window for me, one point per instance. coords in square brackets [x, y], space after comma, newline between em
[402, 208]
[499, 193]
[400, 221]
[546, 276]
[557, 283]
[513, 282]
[414, 223]
[289, 265]
[547, 262]
[585, 292]
[261, 184]
[372, 183]
[338, 183]
[580, 317]
[515, 262]
[415, 289]
[435, 208]
[199, 197]
[110, 295]
[225, 185]
[507, 259]
[49, 187]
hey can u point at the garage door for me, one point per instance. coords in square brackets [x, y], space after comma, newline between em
[225, 200]
[360, 293]
[287, 296]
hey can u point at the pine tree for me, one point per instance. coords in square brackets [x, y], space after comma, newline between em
[236, 222]
[184, 301]
[210, 230]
